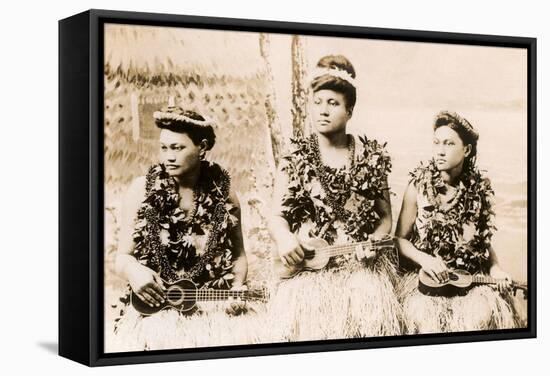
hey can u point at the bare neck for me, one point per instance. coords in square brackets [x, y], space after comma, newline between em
[451, 176]
[333, 141]
[189, 179]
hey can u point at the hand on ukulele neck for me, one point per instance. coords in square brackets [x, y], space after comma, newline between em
[364, 254]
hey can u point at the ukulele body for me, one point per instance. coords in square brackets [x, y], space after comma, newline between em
[180, 295]
[313, 260]
[317, 252]
[460, 281]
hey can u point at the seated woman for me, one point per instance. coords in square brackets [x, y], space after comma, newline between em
[333, 187]
[446, 223]
[179, 221]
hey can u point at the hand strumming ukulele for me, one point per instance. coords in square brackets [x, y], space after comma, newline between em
[460, 281]
[318, 252]
[184, 294]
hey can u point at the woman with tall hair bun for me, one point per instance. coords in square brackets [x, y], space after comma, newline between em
[332, 190]
[181, 221]
[446, 224]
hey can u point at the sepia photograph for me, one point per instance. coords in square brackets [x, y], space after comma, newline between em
[264, 188]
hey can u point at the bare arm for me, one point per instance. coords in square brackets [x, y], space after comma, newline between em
[383, 207]
[288, 247]
[240, 263]
[277, 225]
[144, 281]
[495, 271]
[435, 267]
[405, 224]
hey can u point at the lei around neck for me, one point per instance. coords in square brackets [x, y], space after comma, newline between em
[166, 239]
[365, 182]
[460, 233]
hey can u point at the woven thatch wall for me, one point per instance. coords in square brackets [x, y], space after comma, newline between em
[235, 104]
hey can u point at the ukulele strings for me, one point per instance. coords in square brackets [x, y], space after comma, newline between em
[351, 248]
[213, 294]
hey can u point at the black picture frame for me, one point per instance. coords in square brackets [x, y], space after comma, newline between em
[81, 185]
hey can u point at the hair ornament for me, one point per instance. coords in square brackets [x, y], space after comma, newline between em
[334, 72]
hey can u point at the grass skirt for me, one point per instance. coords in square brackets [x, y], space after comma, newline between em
[346, 301]
[169, 329]
[483, 308]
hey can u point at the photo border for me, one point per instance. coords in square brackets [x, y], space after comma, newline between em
[92, 353]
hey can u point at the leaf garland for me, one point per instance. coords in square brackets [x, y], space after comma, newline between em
[460, 232]
[365, 182]
[166, 239]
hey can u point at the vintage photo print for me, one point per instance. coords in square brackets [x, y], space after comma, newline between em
[264, 188]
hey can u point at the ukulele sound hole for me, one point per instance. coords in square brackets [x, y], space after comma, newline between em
[453, 277]
[175, 295]
[309, 254]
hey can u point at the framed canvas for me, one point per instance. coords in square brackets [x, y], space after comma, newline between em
[235, 187]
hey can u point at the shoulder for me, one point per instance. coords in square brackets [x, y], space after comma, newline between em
[233, 199]
[481, 176]
[426, 180]
[420, 173]
[215, 178]
[298, 152]
[372, 156]
[365, 143]
[411, 193]
[298, 147]
[370, 148]
[478, 181]
[213, 171]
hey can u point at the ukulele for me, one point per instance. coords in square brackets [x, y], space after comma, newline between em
[183, 295]
[460, 281]
[318, 252]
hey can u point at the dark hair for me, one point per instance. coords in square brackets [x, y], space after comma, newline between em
[463, 128]
[328, 82]
[167, 118]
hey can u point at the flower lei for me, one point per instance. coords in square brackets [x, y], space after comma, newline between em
[356, 190]
[460, 232]
[166, 239]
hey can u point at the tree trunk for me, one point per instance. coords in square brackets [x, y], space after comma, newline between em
[276, 138]
[299, 88]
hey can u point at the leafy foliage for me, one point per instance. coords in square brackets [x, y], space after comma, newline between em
[305, 200]
[460, 233]
[167, 241]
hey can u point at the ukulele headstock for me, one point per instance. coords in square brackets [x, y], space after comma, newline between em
[258, 291]
[384, 245]
[259, 294]
[520, 286]
[385, 241]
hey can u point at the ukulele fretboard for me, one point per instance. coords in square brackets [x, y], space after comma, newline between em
[483, 279]
[209, 294]
[339, 250]
[486, 280]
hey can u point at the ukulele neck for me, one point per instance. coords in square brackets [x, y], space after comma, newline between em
[212, 295]
[339, 250]
[486, 280]
[344, 249]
